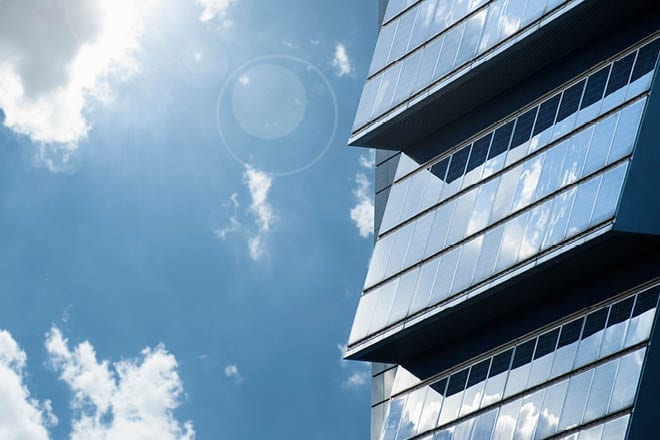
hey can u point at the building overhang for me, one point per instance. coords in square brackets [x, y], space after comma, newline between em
[496, 71]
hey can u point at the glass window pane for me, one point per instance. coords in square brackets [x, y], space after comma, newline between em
[615, 93]
[363, 316]
[593, 93]
[617, 323]
[506, 420]
[608, 194]
[447, 58]
[561, 210]
[383, 46]
[394, 205]
[643, 316]
[533, 11]
[626, 131]
[528, 416]
[433, 186]
[393, 419]
[511, 18]
[492, 26]
[544, 122]
[483, 425]
[552, 172]
[599, 393]
[569, 340]
[404, 380]
[537, 225]
[471, 37]
[496, 154]
[521, 135]
[366, 107]
[514, 230]
[379, 260]
[424, 286]
[475, 387]
[414, 196]
[386, 90]
[407, 77]
[430, 55]
[592, 336]
[567, 114]
[520, 367]
[576, 399]
[455, 172]
[642, 73]
[553, 401]
[483, 205]
[403, 32]
[432, 405]
[445, 276]
[383, 306]
[411, 414]
[454, 396]
[438, 237]
[543, 356]
[616, 429]
[378, 418]
[583, 206]
[627, 378]
[422, 28]
[576, 156]
[478, 157]
[467, 264]
[377, 391]
[505, 193]
[442, 15]
[529, 179]
[419, 238]
[403, 296]
[463, 430]
[399, 248]
[461, 218]
[497, 376]
[490, 248]
[592, 433]
[600, 144]
[393, 8]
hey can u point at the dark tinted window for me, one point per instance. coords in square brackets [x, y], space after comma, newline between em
[501, 363]
[620, 73]
[479, 152]
[620, 311]
[646, 60]
[523, 354]
[457, 382]
[547, 343]
[547, 112]
[478, 372]
[570, 332]
[646, 301]
[458, 163]
[501, 140]
[595, 87]
[595, 322]
[524, 128]
[570, 100]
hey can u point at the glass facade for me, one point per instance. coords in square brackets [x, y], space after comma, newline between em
[574, 373]
[544, 176]
[424, 42]
[514, 281]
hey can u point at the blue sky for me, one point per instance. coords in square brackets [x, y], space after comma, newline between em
[178, 247]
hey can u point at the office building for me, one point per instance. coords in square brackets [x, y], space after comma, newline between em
[515, 276]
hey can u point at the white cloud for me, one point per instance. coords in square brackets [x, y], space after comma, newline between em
[362, 213]
[21, 416]
[341, 62]
[259, 184]
[232, 372]
[359, 371]
[130, 399]
[215, 10]
[56, 58]
[368, 162]
[356, 379]
[233, 226]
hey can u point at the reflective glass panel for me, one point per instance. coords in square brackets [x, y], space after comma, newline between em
[576, 400]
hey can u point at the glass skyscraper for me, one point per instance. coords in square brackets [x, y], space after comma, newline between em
[513, 286]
